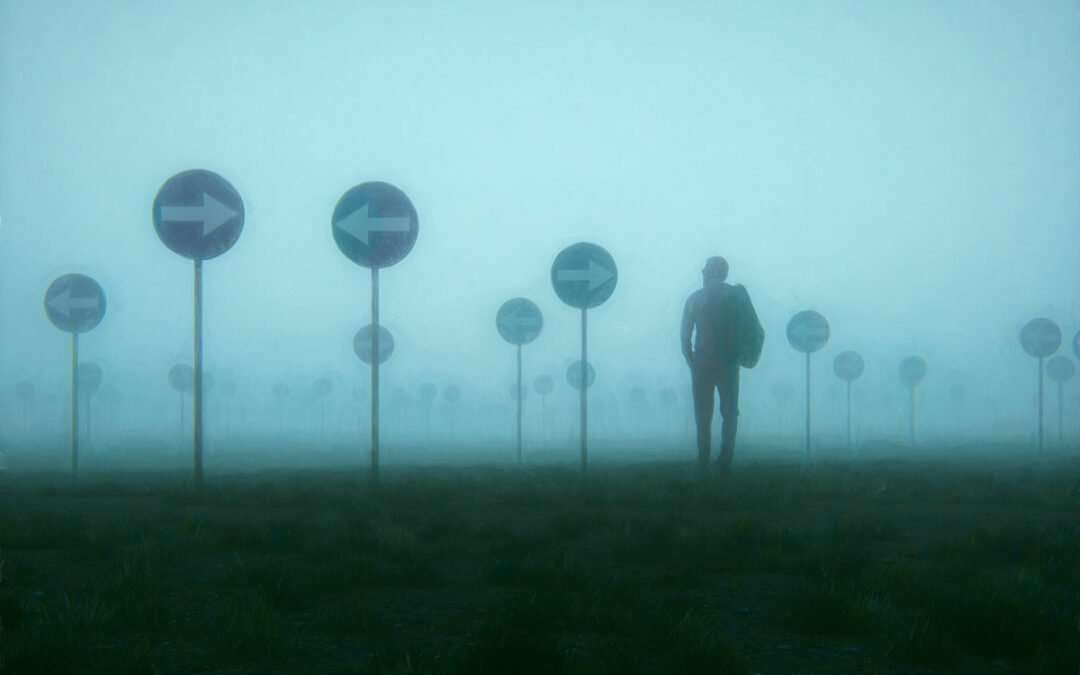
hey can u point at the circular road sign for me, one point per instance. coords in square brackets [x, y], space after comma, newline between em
[912, 371]
[198, 214]
[584, 275]
[362, 344]
[543, 384]
[1060, 369]
[452, 393]
[428, 391]
[281, 390]
[573, 375]
[848, 366]
[24, 389]
[374, 224]
[1040, 337]
[519, 321]
[182, 377]
[322, 387]
[808, 331]
[89, 376]
[75, 303]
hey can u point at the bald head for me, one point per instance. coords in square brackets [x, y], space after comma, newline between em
[715, 268]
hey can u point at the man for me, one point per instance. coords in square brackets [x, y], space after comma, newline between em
[718, 317]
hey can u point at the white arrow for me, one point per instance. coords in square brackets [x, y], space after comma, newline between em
[64, 303]
[211, 213]
[360, 224]
[596, 275]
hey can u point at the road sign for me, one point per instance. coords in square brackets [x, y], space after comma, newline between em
[1040, 337]
[75, 303]
[362, 344]
[912, 371]
[198, 214]
[808, 331]
[1060, 369]
[24, 390]
[89, 377]
[519, 321]
[452, 393]
[573, 375]
[428, 391]
[181, 378]
[515, 388]
[584, 275]
[375, 224]
[544, 385]
[848, 366]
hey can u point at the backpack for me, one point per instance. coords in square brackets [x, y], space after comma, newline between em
[740, 330]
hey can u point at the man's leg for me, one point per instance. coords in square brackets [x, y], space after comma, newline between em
[728, 386]
[703, 411]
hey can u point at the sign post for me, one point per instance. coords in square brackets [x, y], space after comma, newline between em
[519, 322]
[182, 380]
[1040, 338]
[75, 304]
[375, 226]
[848, 366]
[544, 385]
[1061, 369]
[281, 392]
[912, 372]
[89, 382]
[584, 276]
[24, 390]
[199, 215]
[452, 393]
[808, 331]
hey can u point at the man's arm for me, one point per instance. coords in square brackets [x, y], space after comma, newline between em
[687, 331]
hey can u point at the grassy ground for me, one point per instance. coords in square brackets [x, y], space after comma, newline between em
[878, 567]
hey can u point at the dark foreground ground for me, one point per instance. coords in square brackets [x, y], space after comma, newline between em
[875, 567]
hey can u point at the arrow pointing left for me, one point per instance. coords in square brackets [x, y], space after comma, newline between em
[64, 303]
[360, 224]
[211, 213]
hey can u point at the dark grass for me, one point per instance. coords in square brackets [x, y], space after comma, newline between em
[879, 566]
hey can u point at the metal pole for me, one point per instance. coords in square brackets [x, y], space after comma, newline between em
[911, 417]
[74, 405]
[1061, 414]
[849, 415]
[375, 375]
[181, 422]
[584, 389]
[519, 404]
[89, 433]
[543, 418]
[1040, 405]
[197, 414]
[806, 444]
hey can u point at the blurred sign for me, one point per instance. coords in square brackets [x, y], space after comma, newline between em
[182, 377]
[584, 275]
[362, 344]
[452, 393]
[198, 214]
[428, 391]
[912, 371]
[374, 224]
[89, 377]
[1060, 369]
[848, 366]
[544, 385]
[808, 331]
[519, 321]
[1040, 337]
[322, 387]
[573, 375]
[75, 303]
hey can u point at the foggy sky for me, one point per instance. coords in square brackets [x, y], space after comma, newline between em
[911, 170]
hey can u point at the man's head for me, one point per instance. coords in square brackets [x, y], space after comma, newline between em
[715, 268]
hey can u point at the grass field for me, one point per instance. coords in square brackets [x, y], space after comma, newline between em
[877, 566]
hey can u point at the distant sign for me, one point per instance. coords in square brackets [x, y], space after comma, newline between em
[584, 275]
[543, 384]
[1040, 337]
[452, 393]
[182, 377]
[375, 224]
[362, 344]
[322, 387]
[519, 321]
[198, 214]
[848, 366]
[573, 375]
[24, 390]
[808, 331]
[75, 303]
[281, 390]
[89, 377]
[428, 391]
[1060, 369]
[912, 371]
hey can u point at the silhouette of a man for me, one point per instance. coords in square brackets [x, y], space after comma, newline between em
[711, 316]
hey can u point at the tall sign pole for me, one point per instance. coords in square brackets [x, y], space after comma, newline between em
[848, 366]
[199, 215]
[1040, 338]
[584, 276]
[912, 372]
[1061, 369]
[807, 332]
[375, 225]
[519, 322]
[75, 304]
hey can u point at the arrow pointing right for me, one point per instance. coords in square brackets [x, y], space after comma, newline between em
[595, 275]
[212, 214]
[64, 303]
